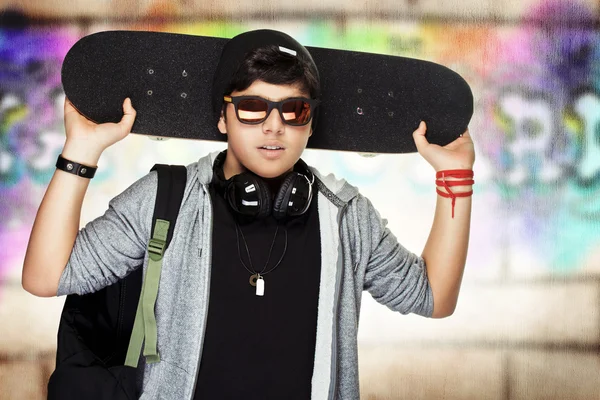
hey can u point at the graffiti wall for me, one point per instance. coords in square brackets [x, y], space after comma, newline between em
[530, 292]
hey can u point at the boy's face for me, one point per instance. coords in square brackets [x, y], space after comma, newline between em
[245, 150]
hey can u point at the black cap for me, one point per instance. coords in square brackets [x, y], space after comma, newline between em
[236, 49]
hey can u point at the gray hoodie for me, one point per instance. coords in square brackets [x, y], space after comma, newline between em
[358, 253]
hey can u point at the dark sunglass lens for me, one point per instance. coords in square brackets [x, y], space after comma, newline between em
[296, 112]
[252, 110]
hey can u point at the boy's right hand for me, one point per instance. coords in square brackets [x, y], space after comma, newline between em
[86, 140]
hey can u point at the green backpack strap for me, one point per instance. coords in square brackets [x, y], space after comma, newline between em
[171, 185]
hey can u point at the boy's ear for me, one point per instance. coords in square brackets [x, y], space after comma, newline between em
[221, 124]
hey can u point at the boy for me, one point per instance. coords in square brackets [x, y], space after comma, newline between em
[261, 287]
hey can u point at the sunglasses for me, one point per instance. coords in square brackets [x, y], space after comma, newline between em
[295, 111]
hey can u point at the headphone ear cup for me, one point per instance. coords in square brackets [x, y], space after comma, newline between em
[294, 196]
[248, 196]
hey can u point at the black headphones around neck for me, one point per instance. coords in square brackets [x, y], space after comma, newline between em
[249, 195]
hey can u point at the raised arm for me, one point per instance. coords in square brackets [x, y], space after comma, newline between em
[445, 251]
[57, 220]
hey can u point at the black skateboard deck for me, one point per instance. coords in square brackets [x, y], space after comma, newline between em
[370, 103]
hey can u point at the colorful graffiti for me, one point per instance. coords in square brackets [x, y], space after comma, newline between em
[536, 127]
[543, 134]
[31, 133]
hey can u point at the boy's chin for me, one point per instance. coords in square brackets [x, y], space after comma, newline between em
[270, 175]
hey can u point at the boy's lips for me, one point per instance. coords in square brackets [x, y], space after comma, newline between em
[272, 146]
[271, 152]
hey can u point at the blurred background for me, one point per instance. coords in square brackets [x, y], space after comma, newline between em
[527, 325]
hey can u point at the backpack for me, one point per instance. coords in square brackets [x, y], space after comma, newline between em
[100, 334]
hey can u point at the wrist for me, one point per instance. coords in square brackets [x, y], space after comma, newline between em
[460, 180]
[81, 153]
[461, 166]
[457, 188]
[75, 168]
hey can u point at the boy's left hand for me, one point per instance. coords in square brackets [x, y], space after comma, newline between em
[458, 154]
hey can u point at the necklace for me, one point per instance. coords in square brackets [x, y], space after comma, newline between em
[256, 278]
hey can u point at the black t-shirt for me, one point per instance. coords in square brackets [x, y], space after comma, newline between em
[261, 347]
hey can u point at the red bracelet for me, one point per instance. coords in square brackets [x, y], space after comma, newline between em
[464, 174]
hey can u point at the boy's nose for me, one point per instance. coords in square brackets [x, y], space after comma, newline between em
[273, 123]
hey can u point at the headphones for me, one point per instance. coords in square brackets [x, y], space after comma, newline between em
[249, 195]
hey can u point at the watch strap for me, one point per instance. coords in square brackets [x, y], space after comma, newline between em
[74, 168]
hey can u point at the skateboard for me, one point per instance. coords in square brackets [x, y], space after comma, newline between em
[371, 103]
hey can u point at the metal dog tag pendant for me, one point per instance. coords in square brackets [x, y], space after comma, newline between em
[260, 286]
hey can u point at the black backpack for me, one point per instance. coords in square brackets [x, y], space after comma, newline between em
[95, 329]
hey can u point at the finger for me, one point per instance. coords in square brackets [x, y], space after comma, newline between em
[419, 136]
[129, 114]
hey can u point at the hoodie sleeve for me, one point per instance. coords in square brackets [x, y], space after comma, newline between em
[111, 246]
[394, 276]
